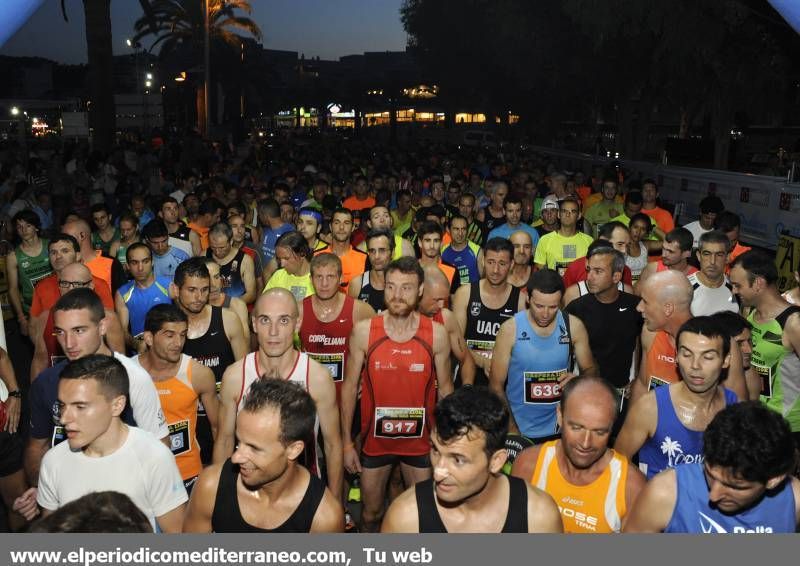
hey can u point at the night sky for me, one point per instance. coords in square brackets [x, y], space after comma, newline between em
[324, 28]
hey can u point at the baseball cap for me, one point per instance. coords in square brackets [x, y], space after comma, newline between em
[550, 201]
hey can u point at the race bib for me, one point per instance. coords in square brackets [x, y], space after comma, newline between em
[180, 441]
[542, 386]
[399, 422]
[334, 363]
[481, 347]
[656, 382]
[765, 373]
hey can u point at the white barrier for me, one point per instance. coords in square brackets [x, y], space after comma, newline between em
[768, 206]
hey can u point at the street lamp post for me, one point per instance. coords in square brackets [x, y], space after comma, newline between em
[207, 70]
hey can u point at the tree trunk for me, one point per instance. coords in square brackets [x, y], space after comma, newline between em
[200, 102]
[102, 112]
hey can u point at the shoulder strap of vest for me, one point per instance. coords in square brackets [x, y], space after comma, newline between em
[571, 359]
[784, 316]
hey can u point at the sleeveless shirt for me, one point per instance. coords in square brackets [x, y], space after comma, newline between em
[537, 362]
[673, 443]
[179, 403]
[398, 392]
[212, 349]
[326, 342]
[140, 300]
[430, 521]
[231, 275]
[227, 515]
[373, 297]
[660, 362]
[484, 323]
[594, 508]
[775, 513]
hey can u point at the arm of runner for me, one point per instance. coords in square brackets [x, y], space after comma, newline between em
[235, 334]
[124, 320]
[249, 280]
[633, 486]
[441, 359]
[226, 421]
[736, 380]
[13, 404]
[194, 239]
[479, 261]
[543, 514]
[498, 371]
[362, 311]
[459, 348]
[323, 391]
[12, 276]
[638, 427]
[654, 506]
[41, 360]
[197, 518]
[402, 516]
[570, 295]
[357, 351]
[407, 248]
[641, 383]
[583, 352]
[238, 307]
[205, 386]
[115, 338]
[354, 286]
[329, 517]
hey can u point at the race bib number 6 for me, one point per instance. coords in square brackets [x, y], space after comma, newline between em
[399, 422]
[542, 386]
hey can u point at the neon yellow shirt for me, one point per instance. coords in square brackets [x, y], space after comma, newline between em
[299, 285]
[557, 251]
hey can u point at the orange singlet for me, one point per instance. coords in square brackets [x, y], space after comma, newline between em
[594, 508]
[660, 364]
[179, 403]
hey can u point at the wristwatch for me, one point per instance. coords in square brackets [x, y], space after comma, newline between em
[16, 393]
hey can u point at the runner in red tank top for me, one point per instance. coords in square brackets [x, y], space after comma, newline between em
[404, 356]
[329, 317]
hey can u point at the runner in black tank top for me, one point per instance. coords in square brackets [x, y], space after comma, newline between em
[227, 515]
[373, 297]
[214, 351]
[484, 323]
[516, 517]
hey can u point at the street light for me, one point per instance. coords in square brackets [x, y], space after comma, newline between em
[14, 111]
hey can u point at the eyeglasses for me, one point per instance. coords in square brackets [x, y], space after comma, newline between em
[73, 284]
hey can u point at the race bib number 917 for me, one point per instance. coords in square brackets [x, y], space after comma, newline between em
[542, 386]
[399, 422]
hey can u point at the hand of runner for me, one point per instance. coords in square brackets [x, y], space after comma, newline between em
[13, 407]
[562, 381]
[352, 463]
[26, 504]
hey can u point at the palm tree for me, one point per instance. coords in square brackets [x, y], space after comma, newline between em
[102, 113]
[180, 27]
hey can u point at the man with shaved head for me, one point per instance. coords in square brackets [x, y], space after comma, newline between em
[593, 485]
[434, 305]
[108, 269]
[276, 318]
[522, 268]
[665, 306]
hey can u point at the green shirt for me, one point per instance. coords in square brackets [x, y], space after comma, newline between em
[30, 270]
[557, 251]
[778, 367]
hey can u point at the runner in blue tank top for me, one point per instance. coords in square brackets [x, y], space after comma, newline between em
[743, 485]
[533, 357]
[666, 427]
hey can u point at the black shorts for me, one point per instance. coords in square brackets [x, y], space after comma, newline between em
[371, 462]
[11, 449]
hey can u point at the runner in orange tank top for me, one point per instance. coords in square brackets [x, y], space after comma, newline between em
[180, 381]
[665, 306]
[404, 357]
[593, 486]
